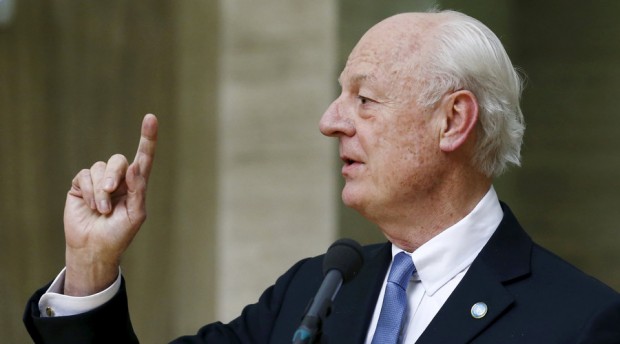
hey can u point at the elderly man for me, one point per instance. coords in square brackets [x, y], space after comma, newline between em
[428, 115]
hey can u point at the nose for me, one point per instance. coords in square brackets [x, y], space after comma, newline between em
[335, 122]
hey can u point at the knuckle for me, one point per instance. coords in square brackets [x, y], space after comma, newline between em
[98, 164]
[118, 157]
[138, 217]
[81, 175]
[81, 179]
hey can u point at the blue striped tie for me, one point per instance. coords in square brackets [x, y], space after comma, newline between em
[394, 301]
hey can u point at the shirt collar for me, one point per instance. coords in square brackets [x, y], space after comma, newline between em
[453, 250]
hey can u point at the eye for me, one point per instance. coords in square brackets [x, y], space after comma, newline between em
[363, 100]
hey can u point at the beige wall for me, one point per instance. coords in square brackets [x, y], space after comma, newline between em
[244, 184]
[275, 172]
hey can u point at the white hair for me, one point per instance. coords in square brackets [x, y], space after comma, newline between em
[465, 54]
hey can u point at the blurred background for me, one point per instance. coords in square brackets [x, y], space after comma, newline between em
[244, 184]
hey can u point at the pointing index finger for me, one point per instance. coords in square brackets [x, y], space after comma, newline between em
[146, 147]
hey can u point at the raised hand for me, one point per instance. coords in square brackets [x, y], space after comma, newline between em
[104, 210]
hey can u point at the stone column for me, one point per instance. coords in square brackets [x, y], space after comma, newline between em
[275, 170]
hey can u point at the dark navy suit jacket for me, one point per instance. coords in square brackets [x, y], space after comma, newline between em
[532, 296]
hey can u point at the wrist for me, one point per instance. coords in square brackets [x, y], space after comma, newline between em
[86, 275]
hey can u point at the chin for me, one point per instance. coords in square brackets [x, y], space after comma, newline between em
[353, 199]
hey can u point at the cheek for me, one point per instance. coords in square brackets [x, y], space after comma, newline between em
[395, 158]
[407, 156]
[402, 145]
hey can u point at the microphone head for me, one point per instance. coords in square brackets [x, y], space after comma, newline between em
[344, 255]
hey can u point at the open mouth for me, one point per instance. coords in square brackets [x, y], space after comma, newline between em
[350, 165]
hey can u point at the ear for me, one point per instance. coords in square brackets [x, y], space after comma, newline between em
[460, 111]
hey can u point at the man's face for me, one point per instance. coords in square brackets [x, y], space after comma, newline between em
[388, 143]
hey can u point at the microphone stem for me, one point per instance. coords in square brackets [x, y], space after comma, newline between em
[330, 287]
[309, 330]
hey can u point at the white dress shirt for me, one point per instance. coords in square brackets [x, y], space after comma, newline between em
[441, 264]
[55, 304]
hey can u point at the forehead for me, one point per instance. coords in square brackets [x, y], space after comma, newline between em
[388, 51]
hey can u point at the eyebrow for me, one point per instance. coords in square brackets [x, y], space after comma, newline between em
[357, 78]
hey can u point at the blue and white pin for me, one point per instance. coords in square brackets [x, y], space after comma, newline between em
[479, 310]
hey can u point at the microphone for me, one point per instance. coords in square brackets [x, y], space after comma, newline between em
[341, 263]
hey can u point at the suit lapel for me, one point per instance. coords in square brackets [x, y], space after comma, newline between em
[354, 304]
[504, 258]
[454, 323]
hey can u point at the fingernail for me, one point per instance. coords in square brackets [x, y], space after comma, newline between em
[109, 184]
[104, 205]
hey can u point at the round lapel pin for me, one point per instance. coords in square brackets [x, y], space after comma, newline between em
[479, 310]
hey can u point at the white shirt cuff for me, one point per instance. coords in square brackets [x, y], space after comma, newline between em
[55, 304]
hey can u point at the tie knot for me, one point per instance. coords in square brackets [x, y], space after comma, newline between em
[402, 269]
